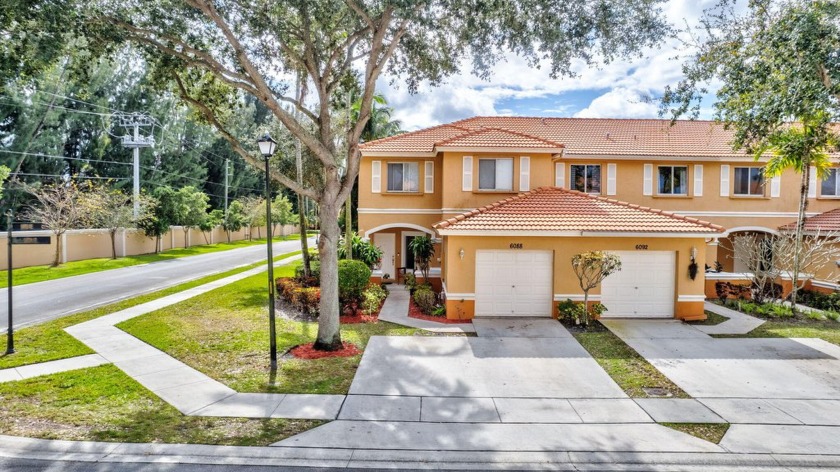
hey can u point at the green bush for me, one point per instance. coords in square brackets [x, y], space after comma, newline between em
[833, 315]
[572, 312]
[819, 300]
[363, 250]
[424, 297]
[315, 271]
[353, 278]
[372, 298]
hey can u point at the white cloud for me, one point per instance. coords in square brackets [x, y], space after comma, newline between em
[619, 103]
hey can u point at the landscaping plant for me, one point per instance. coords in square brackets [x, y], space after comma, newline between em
[591, 269]
[423, 249]
[425, 299]
[361, 250]
[353, 278]
[372, 298]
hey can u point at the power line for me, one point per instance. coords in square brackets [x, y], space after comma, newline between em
[38, 154]
[72, 176]
[80, 101]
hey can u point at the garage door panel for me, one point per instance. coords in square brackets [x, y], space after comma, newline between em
[644, 287]
[513, 283]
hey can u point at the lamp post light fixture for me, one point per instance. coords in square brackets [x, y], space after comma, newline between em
[267, 147]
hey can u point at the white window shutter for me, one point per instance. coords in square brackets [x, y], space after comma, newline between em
[466, 181]
[611, 170]
[724, 180]
[698, 180]
[559, 174]
[429, 177]
[648, 180]
[812, 183]
[524, 173]
[776, 187]
[376, 177]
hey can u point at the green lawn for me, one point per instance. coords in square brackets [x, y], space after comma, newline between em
[794, 328]
[224, 333]
[104, 404]
[626, 367]
[712, 319]
[28, 275]
[48, 341]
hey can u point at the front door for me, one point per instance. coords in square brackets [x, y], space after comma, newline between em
[385, 242]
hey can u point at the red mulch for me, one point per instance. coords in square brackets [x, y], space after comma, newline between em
[415, 312]
[306, 351]
[360, 317]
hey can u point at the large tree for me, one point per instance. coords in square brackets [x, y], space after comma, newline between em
[217, 51]
[779, 69]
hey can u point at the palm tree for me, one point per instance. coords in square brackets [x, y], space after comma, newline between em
[800, 147]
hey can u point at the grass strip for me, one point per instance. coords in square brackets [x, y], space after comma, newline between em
[712, 432]
[104, 404]
[626, 367]
[28, 275]
[48, 341]
[793, 328]
[224, 334]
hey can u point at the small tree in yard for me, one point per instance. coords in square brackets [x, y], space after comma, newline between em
[191, 209]
[111, 209]
[235, 218]
[213, 219]
[281, 213]
[756, 254]
[154, 221]
[423, 249]
[57, 208]
[591, 269]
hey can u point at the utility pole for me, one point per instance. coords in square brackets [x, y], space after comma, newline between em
[227, 168]
[132, 123]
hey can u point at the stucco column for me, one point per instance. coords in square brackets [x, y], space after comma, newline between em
[712, 251]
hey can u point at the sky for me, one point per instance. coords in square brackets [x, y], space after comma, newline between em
[615, 90]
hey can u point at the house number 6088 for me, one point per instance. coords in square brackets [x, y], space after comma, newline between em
[641, 247]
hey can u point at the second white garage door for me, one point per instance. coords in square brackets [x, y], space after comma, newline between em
[643, 288]
[513, 283]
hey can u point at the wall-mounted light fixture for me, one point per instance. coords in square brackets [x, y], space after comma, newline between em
[461, 253]
[692, 268]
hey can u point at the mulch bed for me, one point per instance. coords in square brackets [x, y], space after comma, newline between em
[415, 312]
[306, 351]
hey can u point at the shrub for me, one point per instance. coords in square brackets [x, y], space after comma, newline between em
[303, 299]
[353, 277]
[363, 251]
[314, 272]
[372, 298]
[424, 297]
[573, 312]
[833, 315]
[820, 301]
[410, 281]
[439, 310]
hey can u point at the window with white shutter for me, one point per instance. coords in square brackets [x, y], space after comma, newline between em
[524, 173]
[429, 177]
[698, 180]
[776, 187]
[647, 186]
[812, 183]
[724, 180]
[376, 177]
[559, 174]
[611, 170]
[466, 174]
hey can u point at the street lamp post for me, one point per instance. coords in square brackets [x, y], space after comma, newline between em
[267, 147]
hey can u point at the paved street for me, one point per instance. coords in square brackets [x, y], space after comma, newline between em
[43, 301]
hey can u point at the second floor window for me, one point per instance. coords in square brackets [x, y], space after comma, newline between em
[403, 177]
[586, 178]
[749, 181]
[495, 174]
[673, 180]
[831, 186]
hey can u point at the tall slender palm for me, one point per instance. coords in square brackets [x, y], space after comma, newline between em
[800, 147]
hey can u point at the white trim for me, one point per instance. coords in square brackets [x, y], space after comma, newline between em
[429, 177]
[466, 174]
[647, 180]
[572, 234]
[376, 177]
[567, 154]
[524, 173]
[691, 298]
[460, 296]
[812, 183]
[398, 225]
[498, 149]
[724, 180]
[399, 154]
[576, 297]
[825, 284]
[752, 214]
[456, 210]
[611, 177]
[728, 276]
[560, 174]
[776, 187]
[740, 229]
[698, 180]
[404, 211]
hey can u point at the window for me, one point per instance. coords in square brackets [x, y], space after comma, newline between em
[495, 174]
[403, 177]
[586, 178]
[831, 185]
[749, 181]
[673, 180]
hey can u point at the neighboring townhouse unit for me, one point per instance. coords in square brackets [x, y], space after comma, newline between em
[432, 182]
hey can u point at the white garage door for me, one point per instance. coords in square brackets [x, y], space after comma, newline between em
[643, 288]
[513, 283]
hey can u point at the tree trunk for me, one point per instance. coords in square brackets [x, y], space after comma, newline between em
[206, 241]
[348, 227]
[57, 259]
[228, 235]
[329, 335]
[304, 244]
[186, 239]
[157, 244]
[800, 227]
[586, 307]
[113, 243]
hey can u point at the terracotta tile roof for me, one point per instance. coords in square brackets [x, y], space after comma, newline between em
[498, 138]
[553, 209]
[824, 223]
[580, 136]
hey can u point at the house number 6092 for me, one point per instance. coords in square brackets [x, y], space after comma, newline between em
[641, 247]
